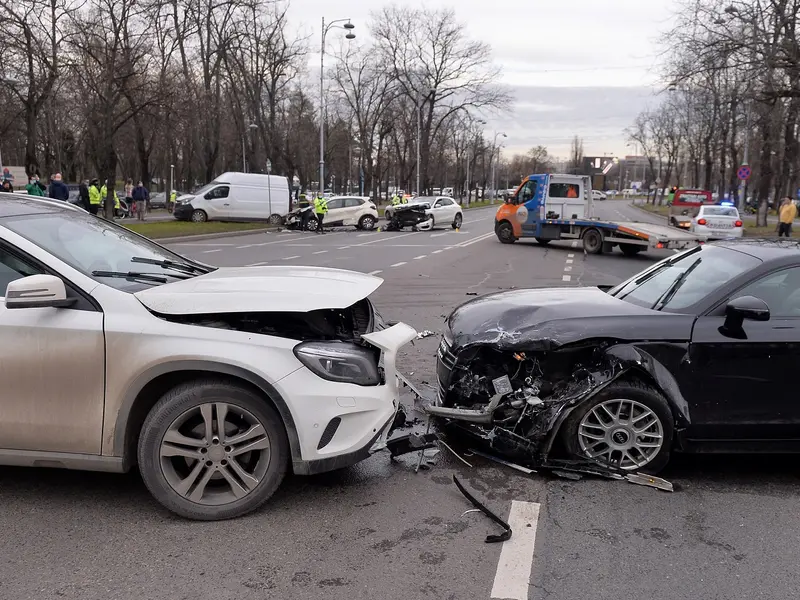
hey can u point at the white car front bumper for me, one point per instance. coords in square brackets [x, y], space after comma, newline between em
[718, 234]
[340, 424]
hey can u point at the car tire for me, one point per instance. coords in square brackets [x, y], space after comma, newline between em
[387, 214]
[367, 223]
[542, 241]
[579, 428]
[505, 232]
[183, 413]
[312, 224]
[630, 249]
[275, 220]
[199, 216]
[593, 241]
[457, 221]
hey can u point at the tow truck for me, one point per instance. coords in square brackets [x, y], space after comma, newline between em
[559, 207]
[685, 206]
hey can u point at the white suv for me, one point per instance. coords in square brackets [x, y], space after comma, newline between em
[115, 351]
[444, 210]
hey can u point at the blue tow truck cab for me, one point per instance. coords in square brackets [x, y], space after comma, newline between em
[559, 207]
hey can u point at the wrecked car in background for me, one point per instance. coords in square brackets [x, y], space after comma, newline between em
[692, 354]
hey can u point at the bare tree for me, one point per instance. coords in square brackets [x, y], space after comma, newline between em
[576, 155]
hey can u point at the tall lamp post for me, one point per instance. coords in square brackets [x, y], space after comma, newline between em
[495, 149]
[250, 127]
[350, 36]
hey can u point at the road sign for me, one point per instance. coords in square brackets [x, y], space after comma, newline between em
[743, 173]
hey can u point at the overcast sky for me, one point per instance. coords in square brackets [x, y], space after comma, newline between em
[575, 67]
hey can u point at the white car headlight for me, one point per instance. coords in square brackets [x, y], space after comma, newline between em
[340, 361]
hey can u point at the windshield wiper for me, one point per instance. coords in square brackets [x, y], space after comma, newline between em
[665, 264]
[131, 276]
[673, 289]
[171, 264]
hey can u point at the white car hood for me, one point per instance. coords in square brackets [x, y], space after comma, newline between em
[260, 289]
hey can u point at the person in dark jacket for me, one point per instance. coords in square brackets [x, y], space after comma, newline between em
[83, 194]
[7, 187]
[140, 195]
[58, 189]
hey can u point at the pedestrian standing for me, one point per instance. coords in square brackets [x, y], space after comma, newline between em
[95, 198]
[58, 189]
[83, 194]
[33, 187]
[129, 194]
[42, 187]
[788, 213]
[7, 187]
[320, 210]
[140, 195]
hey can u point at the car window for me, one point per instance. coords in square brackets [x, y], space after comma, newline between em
[564, 190]
[445, 202]
[88, 244]
[780, 290]
[527, 192]
[719, 211]
[679, 282]
[337, 203]
[218, 192]
[353, 202]
[13, 268]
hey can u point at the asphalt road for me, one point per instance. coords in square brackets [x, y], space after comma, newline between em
[381, 531]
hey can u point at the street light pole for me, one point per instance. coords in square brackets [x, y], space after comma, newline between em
[350, 35]
[496, 149]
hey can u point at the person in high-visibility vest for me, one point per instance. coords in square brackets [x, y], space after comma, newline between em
[95, 199]
[320, 209]
[395, 199]
[104, 195]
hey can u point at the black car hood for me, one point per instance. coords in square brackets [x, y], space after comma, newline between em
[546, 318]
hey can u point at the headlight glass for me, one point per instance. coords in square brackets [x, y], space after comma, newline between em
[340, 361]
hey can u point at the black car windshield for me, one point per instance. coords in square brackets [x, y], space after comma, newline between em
[91, 245]
[681, 281]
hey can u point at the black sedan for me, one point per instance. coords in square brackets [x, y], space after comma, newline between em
[696, 354]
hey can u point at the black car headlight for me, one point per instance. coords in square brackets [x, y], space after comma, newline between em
[340, 361]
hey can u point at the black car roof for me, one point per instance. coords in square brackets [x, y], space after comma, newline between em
[763, 248]
[15, 205]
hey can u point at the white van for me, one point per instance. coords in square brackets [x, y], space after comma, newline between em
[237, 197]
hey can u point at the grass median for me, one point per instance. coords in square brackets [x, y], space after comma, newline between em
[170, 229]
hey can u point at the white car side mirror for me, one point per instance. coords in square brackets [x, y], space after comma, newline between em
[37, 291]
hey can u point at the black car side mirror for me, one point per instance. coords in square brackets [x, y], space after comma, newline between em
[739, 309]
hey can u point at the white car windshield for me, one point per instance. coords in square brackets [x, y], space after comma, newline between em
[104, 251]
[679, 282]
[719, 211]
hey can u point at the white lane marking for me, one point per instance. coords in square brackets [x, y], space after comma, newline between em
[438, 234]
[570, 256]
[374, 272]
[299, 245]
[208, 251]
[569, 261]
[566, 278]
[400, 264]
[365, 235]
[290, 257]
[388, 237]
[436, 252]
[676, 250]
[258, 264]
[575, 244]
[567, 269]
[448, 248]
[245, 246]
[320, 252]
[343, 248]
[198, 244]
[512, 578]
[475, 240]
[420, 257]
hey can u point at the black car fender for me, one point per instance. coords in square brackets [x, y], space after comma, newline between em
[616, 363]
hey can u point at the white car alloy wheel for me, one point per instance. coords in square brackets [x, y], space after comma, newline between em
[199, 216]
[211, 450]
[367, 222]
[621, 431]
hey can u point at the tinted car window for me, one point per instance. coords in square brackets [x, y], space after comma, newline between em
[679, 282]
[564, 190]
[445, 202]
[218, 192]
[12, 268]
[337, 203]
[780, 290]
[353, 202]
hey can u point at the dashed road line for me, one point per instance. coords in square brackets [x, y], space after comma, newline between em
[436, 252]
[566, 278]
[512, 578]
[569, 261]
[420, 257]
[258, 264]
[400, 264]
[567, 269]
[209, 251]
[570, 256]
[375, 272]
[320, 252]
[290, 257]
[343, 248]
[475, 240]
[439, 234]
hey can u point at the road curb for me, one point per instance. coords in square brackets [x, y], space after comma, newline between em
[647, 212]
[212, 236]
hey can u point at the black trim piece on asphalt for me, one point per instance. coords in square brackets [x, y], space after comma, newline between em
[490, 539]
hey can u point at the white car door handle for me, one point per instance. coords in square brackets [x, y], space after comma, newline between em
[227, 204]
